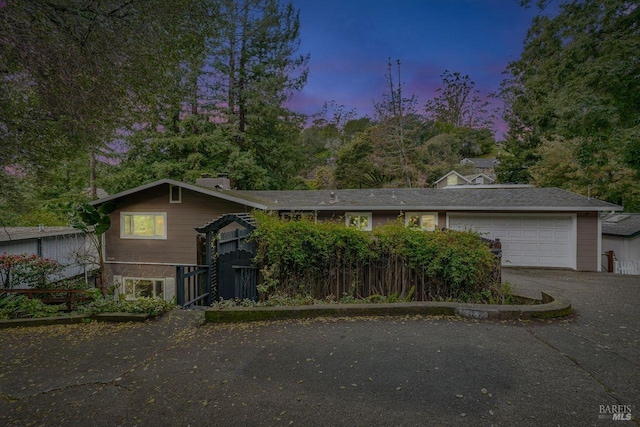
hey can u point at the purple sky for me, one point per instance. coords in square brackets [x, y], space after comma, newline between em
[351, 40]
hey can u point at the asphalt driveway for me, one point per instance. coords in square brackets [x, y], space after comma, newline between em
[339, 372]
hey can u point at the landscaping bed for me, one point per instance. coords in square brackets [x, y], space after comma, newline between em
[21, 310]
[547, 306]
[74, 318]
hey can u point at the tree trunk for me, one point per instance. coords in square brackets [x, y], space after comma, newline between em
[93, 191]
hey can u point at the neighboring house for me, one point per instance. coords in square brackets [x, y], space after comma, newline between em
[486, 166]
[621, 234]
[66, 245]
[454, 178]
[153, 226]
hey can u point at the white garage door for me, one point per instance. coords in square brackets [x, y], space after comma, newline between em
[527, 241]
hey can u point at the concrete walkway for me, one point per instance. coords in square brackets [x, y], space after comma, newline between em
[345, 372]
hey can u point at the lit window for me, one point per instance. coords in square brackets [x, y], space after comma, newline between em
[359, 220]
[452, 180]
[423, 220]
[143, 225]
[138, 288]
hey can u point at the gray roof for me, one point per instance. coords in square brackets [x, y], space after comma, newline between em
[25, 233]
[449, 173]
[471, 178]
[621, 224]
[460, 198]
[451, 198]
[481, 163]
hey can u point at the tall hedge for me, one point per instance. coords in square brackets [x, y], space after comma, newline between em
[327, 258]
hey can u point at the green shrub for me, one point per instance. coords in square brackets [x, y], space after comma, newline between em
[13, 306]
[151, 306]
[328, 259]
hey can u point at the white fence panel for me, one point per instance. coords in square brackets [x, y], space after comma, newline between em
[627, 267]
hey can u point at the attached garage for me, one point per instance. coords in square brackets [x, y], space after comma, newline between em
[528, 240]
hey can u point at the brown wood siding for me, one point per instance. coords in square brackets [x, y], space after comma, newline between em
[378, 218]
[384, 218]
[144, 271]
[587, 241]
[180, 245]
[331, 216]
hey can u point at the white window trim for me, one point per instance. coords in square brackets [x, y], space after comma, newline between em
[171, 187]
[123, 236]
[435, 218]
[369, 215]
[153, 279]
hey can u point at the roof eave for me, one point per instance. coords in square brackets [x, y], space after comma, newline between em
[444, 208]
[191, 187]
[625, 235]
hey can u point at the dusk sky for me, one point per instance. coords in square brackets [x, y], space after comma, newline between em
[350, 42]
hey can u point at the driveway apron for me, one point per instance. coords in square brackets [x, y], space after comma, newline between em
[406, 371]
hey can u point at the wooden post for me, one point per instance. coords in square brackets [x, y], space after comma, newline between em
[610, 258]
[179, 286]
[207, 282]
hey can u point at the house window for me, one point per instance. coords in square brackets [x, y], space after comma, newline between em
[423, 220]
[175, 194]
[135, 287]
[143, 225]
[297, 216]
[452, 180]
[359, 220]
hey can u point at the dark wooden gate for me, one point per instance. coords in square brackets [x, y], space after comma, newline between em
[224, 267]
[236, 277]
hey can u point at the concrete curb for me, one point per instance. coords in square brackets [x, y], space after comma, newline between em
[62, 320]
[121, 317]
[547, 307]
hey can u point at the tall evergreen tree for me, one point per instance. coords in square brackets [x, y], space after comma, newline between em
[576, 83]
[252, 70]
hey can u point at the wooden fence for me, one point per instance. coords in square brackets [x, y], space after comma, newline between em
[388, 277]
[52, 296]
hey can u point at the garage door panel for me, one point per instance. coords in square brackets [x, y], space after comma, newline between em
[546, 234]
[499, 234]
[566, 222]
[514, 223]
[546, 247]
[512, 247]
[526, 241]
[514, 234]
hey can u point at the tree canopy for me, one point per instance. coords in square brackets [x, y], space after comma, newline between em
[575, 91]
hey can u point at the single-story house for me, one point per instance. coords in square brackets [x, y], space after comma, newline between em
[153, 226]
[621, 234]
[454, 178]
[66, 245]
